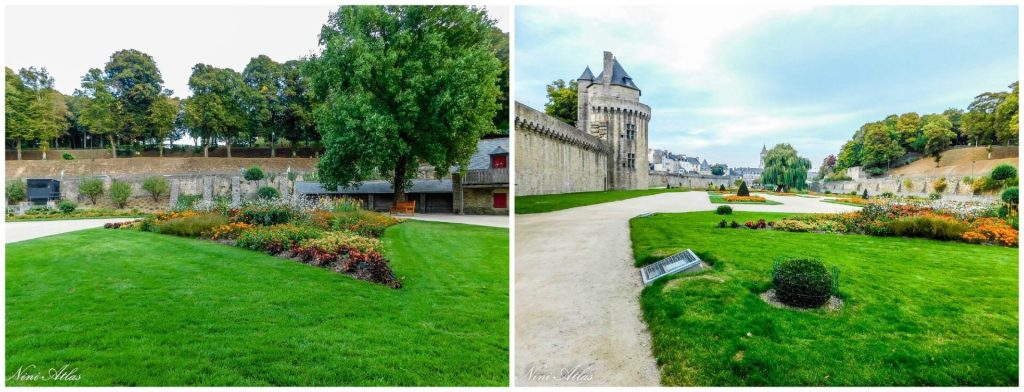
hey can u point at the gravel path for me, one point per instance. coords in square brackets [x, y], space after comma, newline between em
[577, 312]
[21, 231]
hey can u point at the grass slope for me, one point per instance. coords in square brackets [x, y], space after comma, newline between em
[547, 203]
[135, 308]
[720, 199]
[918, 312]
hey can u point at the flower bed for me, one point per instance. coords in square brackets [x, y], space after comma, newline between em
[752, 199]
[967, 223]
[335, 234]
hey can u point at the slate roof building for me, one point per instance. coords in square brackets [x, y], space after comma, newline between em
[482, 190]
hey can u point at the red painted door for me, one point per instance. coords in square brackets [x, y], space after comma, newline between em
[501, 200]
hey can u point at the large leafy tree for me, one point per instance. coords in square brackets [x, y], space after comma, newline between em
[784, 168]
[562, 101]
[849, 155]
[297, 116]
[17, 126]
[499, 41]
[162, 115]
[46, 111]
[1006, 117]
[219, 105]
[879, 148]
[98, 110]
[828, 166]
[133, 78]
[266, 77]
[938, 133]
[400, 85]
[907, 127]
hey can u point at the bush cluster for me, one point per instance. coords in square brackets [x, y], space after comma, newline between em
[804, 283]
[266, 214]
[91, 188]
[16, 191]
[723, 210]
[157, 186]
[267, 192]
[253, 174]
[198, 225]
[276, 239]
[120, 191]
[738, 198]
[364, 223]
[924, 226]
[67, 206]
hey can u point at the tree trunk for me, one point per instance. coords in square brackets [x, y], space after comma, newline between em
[228, 142]
[161, 149]
[272, 139]
[113, 146]
[400, 179]
[18, 142]
[206, 149]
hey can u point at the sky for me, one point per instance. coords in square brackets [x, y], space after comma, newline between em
[722, 81]
[69, 40]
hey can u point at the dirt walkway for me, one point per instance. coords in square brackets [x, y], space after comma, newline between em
[578, 320]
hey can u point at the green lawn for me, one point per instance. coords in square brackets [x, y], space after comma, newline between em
[547, 203]
[136, 308]
[918, 312]
[720, 199]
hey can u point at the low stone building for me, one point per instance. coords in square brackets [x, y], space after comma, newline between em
[482, 190]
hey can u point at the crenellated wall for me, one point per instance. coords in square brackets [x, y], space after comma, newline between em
[555, 157]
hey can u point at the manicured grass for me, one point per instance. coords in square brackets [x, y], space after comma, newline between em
[548, 203]
[59, 217]
[917, 312]
[720, 199]
[136, 308]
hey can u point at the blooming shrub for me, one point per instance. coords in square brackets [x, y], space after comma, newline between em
[854, 200]
[276, 239]
[757, 199]
[230, 231]
[365, 223]
[760, 224]
[932, 226]
[352, 254]
[991, 230]
[793, 225]
[333, 245]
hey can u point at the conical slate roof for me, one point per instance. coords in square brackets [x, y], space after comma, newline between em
[619, 76]
[587, 75]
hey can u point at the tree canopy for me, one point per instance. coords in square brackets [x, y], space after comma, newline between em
[401, 85]
[562, 101]
[784, 169]
[220, 105]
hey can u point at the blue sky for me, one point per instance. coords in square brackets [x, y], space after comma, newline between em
[724, 80]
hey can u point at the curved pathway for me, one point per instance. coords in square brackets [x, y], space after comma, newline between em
[577, 316]
[27, 230]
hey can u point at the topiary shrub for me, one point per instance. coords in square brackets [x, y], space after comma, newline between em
[67, 156]
[267, 192]
[91, 188]
[67, 206]
[940, 184]
[864, 195]
[723, 210]
[1011, 196]
[253, 174]
[16, 191]
[743, 191]
[120, 191]
[721, 188]
[1003, 172]
[804, 283]
[156, 186]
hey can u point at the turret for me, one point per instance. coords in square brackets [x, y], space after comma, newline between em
[582, 84]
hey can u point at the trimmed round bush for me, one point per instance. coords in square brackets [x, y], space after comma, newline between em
[743, 191]
[1003, 172]
[253, 174]
[268, 192]
[67, 156]
[67, 206]
[723, 210]
[804, 283]
[1011, 195]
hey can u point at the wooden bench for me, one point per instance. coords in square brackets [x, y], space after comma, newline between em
[404, 207]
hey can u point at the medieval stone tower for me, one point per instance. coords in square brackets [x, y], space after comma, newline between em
[609, 108]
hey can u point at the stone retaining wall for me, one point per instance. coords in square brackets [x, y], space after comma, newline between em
[554, 157]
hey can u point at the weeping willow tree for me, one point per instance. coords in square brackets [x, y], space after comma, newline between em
[784, 169]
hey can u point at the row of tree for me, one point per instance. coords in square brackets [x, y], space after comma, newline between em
[125, 102]
[992, 118]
